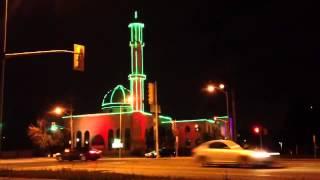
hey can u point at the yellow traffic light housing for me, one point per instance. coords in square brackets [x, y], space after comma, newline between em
[78, 57]
[151, 93]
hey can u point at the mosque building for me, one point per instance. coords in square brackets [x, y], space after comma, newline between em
[123, 116]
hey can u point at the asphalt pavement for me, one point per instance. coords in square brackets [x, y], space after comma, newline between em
[180, 167]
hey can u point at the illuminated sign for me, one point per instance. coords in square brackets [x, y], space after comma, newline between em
[117, 143]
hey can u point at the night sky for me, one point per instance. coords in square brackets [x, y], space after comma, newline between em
[266, 51]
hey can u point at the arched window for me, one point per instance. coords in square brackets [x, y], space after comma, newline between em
[127, 140]
[118, 133]
[149, 138]
[110, 139]
[98, 142]
[187, 129]
[86, 139]
[188, 142]
[78, 140]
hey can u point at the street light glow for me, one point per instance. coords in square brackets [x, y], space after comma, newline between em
[58, 110]
[210, 88]
[256, 130]
[221, 86]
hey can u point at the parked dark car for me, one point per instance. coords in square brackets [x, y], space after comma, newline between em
[83, 154]
[164, 152]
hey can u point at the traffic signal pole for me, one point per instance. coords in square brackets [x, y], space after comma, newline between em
[3, 64]
[78, 63]
[154, 107]
[156, 118]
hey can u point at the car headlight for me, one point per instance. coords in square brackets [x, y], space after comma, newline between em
[261, 154]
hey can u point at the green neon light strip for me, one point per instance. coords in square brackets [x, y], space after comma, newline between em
[221, 117]
[136, 60]
[142, 100]
[112, 94]
[122, 90]
[135, 33]
[115, 113]
[135, 14]
[131, 59]
[140, 34]
[136, 100]
[136, 24]
[137, 76]
[131, 32]
[124, 106]
[195, 120]
[161, 116]
[115, 103]
[142, 69]
[140, 93]
[131, 92]
[95, 115]
[104, 97]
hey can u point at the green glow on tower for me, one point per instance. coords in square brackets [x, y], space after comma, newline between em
[137, 75]
[194, 120]
[117, 99]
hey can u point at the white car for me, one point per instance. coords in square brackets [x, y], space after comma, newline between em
[227, 152]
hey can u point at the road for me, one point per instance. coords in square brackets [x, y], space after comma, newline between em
[181, 167]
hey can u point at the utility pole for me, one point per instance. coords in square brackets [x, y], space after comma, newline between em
[156, 118]
[3, 65]
[120, 130]
[234, 120]
[78, 61]
[71, 130]
[154, 107]
[314, 146]
[175, 133]
[260, 135]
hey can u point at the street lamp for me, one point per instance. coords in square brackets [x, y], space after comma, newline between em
[211, 88]
[257, 131]
[59, 111]
[128, 100]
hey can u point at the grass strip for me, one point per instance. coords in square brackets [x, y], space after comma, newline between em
[78, 174]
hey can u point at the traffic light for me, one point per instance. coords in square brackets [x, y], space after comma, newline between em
[256, 130]
[53, 127]
[78, 57]
[151, 93]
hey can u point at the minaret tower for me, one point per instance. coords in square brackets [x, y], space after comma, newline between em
[137, 75]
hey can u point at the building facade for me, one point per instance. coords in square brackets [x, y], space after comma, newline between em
[123, 116]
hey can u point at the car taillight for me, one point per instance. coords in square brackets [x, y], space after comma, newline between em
[93, 152]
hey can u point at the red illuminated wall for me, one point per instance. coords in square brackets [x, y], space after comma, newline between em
[101, 124]
[193, 135]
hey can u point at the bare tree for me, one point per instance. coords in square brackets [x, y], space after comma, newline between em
[44, 138]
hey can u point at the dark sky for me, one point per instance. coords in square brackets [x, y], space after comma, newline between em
[266, 51]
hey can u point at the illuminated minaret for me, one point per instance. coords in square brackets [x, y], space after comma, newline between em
[137, 75]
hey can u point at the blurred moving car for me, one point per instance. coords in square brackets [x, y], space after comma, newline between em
[83, 154]
[227, 152]
[164, 152]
